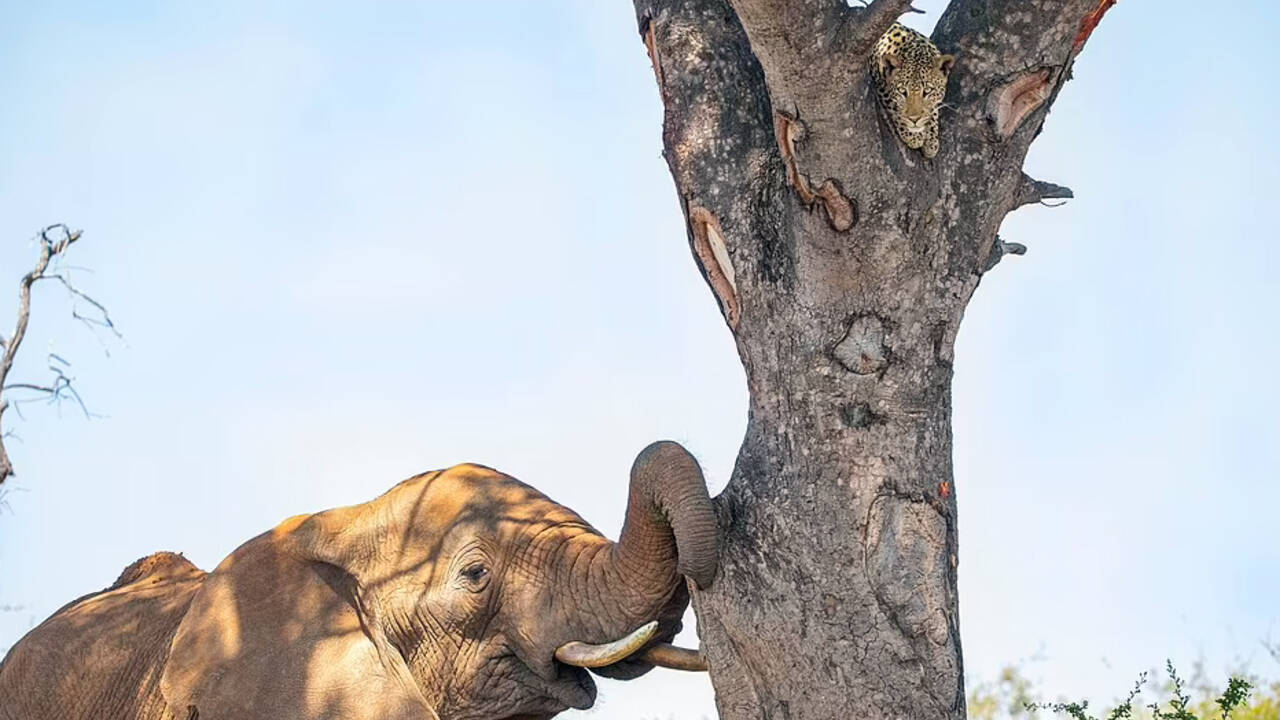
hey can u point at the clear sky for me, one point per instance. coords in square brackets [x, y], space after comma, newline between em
[348, 242]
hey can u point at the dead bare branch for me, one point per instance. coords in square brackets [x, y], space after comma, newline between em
[54, 241]
[61, 388]
[105, 320]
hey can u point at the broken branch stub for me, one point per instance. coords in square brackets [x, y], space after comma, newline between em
[1032, 191]
[999, 249]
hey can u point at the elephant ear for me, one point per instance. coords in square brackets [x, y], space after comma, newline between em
[278, 631]
[343, 537]
[355, 538]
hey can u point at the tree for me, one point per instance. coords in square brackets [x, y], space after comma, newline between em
[842, 263]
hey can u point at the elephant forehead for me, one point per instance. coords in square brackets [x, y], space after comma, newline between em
[474, 494]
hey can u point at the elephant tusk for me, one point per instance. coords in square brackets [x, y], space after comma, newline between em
[580, 654]
[677, 658]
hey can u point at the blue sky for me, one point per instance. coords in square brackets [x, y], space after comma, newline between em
[350, 242]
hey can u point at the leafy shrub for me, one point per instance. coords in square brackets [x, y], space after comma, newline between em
[1012, 696]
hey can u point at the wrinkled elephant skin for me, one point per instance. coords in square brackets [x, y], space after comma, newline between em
[446, 597]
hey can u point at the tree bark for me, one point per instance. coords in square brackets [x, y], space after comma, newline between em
[842, 263]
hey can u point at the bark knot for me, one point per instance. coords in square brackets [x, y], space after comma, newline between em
[862, 350]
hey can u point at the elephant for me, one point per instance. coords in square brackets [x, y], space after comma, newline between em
[458, 594]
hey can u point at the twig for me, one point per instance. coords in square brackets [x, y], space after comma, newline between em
[60, 389]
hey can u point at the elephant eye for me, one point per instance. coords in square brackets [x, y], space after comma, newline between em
[475, 576]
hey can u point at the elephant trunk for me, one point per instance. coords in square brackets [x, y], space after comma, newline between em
[669, 516]
[669, 532]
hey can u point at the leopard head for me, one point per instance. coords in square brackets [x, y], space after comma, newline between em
[915, 81]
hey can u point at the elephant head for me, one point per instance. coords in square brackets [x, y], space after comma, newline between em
[460, 593]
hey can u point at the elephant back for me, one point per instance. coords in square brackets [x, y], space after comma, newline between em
[102, 655]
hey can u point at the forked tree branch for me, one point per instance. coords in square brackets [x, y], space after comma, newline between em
[798, 40]
[54, 241]
[794, 37]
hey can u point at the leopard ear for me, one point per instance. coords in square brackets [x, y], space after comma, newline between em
[891, 59]
[946, 62]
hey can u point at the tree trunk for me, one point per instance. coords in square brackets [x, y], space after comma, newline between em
[842, 263]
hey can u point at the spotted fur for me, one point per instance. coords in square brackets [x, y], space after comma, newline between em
[910, 76]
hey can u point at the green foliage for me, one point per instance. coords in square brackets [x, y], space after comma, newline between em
[1013, 697]
[1008, 697]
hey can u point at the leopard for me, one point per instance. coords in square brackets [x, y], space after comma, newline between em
[910, 78]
